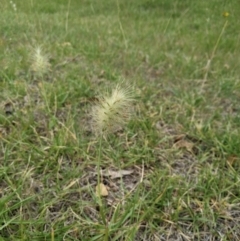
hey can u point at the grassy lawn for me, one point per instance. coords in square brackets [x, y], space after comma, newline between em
[172, 172]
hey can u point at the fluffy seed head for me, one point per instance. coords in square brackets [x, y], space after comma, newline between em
[112, 111]
[40, 64]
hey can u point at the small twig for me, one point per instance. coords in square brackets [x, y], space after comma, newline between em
[65, 62]
[141, 180]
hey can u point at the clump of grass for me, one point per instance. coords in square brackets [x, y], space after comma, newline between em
[112, 111]
[48, 184]
[40, 62]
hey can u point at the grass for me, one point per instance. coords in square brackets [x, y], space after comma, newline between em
[181, 147]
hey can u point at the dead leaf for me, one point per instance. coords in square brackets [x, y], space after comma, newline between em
[184, 144]
[117, 174]
[66, 44]
[179, 137]
[101, 190]
[232, 159]
[199, 125]
[3, 132]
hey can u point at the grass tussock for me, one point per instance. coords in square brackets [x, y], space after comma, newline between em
[172, 173]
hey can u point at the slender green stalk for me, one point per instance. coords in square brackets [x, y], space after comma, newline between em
[100, 203]
[208, 65]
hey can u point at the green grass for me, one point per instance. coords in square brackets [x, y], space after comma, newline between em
[182, 144]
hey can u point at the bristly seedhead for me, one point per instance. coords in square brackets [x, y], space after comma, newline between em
[40, 64]
[112, 111]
